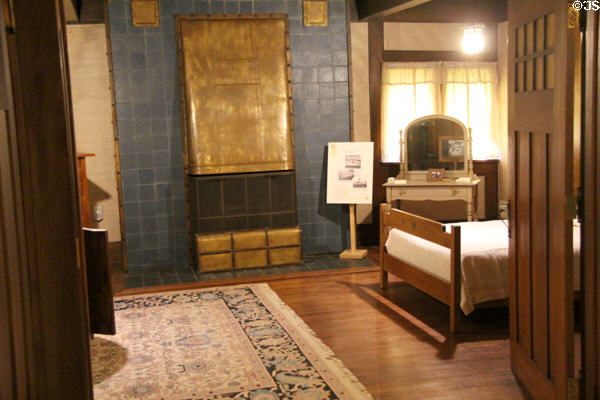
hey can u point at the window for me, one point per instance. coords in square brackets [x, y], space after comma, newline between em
[466, 91]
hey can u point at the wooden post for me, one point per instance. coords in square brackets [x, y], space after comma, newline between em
[353, 252]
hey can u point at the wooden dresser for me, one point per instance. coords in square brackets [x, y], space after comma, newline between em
[489, 170]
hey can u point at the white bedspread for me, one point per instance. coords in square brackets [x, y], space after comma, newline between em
[484, 248]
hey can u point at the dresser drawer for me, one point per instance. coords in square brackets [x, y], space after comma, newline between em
[429, 193]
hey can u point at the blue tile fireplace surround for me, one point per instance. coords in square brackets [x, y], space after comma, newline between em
[149, 124]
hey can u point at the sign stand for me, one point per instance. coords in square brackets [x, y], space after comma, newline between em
[353, 252]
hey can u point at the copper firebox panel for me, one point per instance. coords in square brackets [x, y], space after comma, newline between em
[234, 77]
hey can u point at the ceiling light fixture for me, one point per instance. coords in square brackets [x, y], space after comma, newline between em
[473, 40]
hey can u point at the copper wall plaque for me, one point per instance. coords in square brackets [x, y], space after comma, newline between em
[315, 12]
[235, 92]
[144, 13]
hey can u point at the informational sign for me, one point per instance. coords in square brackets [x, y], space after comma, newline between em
[350, 173]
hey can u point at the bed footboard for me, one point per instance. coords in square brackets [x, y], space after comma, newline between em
[448, 293]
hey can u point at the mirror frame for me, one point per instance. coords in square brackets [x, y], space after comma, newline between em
[422, 175]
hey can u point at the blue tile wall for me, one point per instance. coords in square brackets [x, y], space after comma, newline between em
[148, 117]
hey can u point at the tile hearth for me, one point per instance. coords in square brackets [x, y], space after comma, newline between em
[165, 276]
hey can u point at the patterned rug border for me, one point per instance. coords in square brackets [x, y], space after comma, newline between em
[324, 358]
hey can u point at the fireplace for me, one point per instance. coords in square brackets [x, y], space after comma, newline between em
[221, 203]
[238, 140]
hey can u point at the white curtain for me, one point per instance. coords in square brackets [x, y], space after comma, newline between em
[469, 94]
[409, 91]
[463, 90]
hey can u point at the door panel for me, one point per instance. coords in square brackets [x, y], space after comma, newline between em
[540, 158]
[539, 253]
[523, 205]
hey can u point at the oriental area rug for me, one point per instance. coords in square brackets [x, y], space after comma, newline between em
[233, 342]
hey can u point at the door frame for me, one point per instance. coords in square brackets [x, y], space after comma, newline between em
[41, 274]
[590, 169]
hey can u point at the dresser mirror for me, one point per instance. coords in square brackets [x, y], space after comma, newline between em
[435, 142]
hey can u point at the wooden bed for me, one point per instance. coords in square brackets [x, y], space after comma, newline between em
[425, 255]
[446, 292]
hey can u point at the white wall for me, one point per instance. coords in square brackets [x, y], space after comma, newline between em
[361, 111]
[92, 115]
[422, 36]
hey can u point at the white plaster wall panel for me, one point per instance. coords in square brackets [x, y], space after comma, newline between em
[422, 36]
[361, 113]
[92, 116]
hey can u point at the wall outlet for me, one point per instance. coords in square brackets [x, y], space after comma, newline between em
[98, 215]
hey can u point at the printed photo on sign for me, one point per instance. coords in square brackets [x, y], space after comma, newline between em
[350, 173]
[345, 174]
[352, 160]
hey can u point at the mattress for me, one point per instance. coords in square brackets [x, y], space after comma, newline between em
[484, 259]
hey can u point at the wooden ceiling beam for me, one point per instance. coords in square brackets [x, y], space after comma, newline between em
[369, 9]
[490, 11]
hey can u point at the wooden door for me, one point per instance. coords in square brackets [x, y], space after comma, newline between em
[591, 212]
[540, 83]
[42, 275]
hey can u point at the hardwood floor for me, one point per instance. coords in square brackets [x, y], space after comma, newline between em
[398, 343]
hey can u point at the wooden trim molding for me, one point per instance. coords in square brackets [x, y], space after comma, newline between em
[441, 55]
[113, 102]
[590, 168]
[375, 62]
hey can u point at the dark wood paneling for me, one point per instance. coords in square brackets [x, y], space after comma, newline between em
[60, 359]
[377, 8]
[590, 147]
[99, 283]
[15, 338]
[12, 372]
[491, 11]
[375, 62]
[440, 55]
[489, 170]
